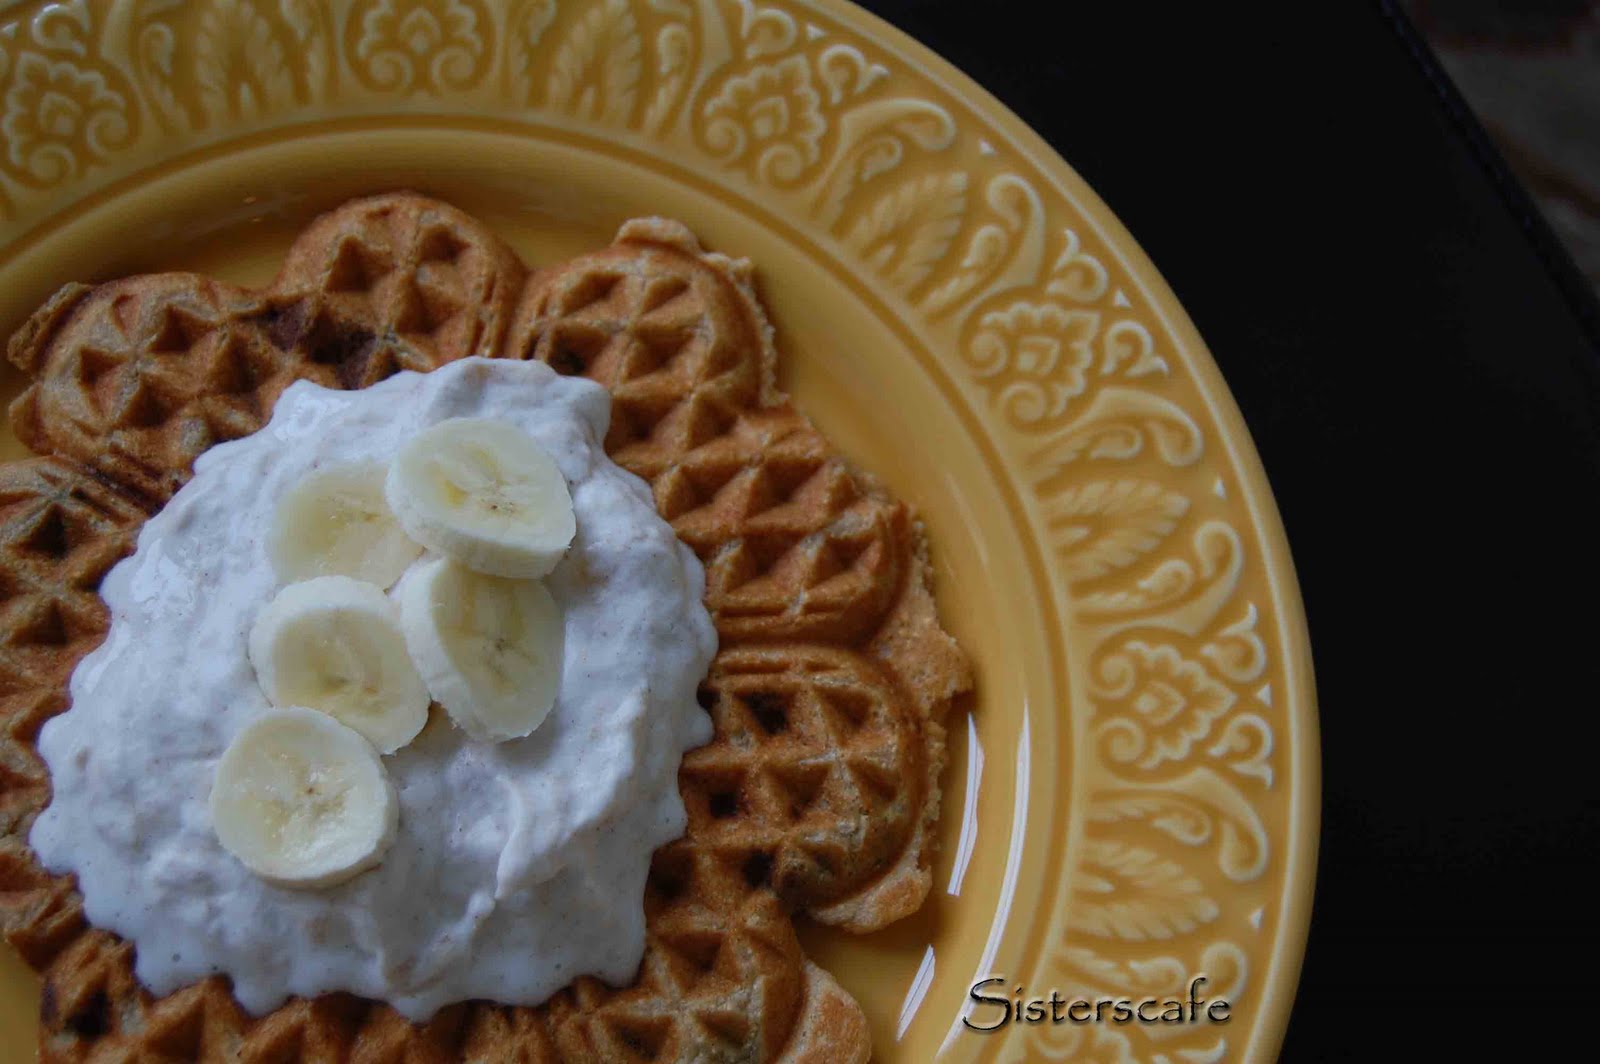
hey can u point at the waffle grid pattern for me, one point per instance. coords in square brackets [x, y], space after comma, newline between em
[821, 779]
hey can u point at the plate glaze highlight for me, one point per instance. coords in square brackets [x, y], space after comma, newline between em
[1132, 800]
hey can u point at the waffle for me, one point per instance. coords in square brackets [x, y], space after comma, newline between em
[819, 788]
[61, 529]
[135, 378]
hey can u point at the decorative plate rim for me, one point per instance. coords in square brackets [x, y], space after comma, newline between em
[1056, 332]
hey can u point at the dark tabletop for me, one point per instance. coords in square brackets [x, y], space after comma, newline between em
[1417, 361]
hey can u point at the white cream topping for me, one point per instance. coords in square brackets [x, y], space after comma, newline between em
[518, 866]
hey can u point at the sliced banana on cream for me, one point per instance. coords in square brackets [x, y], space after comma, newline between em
[336, 522]
[334, 644]
[484, 493]
[488, 648]
[302, 800]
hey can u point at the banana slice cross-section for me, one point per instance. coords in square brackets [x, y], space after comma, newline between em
[488, 648]
[334, 644]
[302, 800]
[336, 522]
[484, 493]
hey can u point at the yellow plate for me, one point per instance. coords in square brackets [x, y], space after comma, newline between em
[1133, 800]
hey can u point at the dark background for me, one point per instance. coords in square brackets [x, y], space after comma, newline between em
[1417, 361]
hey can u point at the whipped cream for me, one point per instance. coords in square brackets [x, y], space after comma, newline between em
[518, 866]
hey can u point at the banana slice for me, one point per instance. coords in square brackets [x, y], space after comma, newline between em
[488, 648]
[336, 522]
[334, 644]
[302, 800]
[484, 493]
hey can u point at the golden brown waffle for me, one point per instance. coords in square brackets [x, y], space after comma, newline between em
[816, 578]
[734, 988]
[136, 377]
[60, 530]
[820, 786]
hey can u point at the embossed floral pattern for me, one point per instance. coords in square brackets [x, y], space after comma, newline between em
[1159, 703]
[1035, 356]
[1135, 894]
[1103, 526]
[59, 118]
[222, 64]
[769, 119]
[595, 72]
[1092, 1044]
[239, 61]
[420, 45]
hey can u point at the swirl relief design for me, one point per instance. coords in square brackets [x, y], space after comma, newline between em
[1169, 610]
